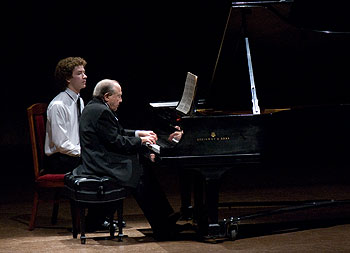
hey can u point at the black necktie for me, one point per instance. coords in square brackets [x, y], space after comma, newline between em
[78, 108]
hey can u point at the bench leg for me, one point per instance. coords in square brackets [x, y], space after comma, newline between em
[75, 220]
[111, 227]
[120, 220]
[82, 225]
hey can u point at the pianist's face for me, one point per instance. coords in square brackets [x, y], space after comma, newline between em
[113, 100]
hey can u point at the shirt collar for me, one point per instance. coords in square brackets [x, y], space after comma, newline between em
[72, 94]
[113, 112]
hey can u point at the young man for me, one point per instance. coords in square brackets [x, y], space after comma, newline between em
[110, 150]
[62, 146]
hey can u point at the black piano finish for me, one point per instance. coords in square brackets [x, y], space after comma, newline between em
[210, 135]
[217, 141]
[213, 144]
[210, 145]
[312, 134]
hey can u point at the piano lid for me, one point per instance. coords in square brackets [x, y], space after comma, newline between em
[293, 66]
[321, 16]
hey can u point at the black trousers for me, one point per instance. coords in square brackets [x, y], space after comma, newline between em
[60, 163]
[153, 202]
[151, 199]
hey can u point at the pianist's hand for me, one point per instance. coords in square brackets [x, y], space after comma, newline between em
[148, 137]
[176, 136]
[145, 133]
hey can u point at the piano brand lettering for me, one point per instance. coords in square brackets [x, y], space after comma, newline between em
[213, 139]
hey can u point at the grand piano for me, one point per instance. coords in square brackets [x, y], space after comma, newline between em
[221, 132]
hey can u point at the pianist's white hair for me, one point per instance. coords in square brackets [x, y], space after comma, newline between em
[104, 86]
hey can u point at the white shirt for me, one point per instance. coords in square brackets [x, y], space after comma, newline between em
[62, 128]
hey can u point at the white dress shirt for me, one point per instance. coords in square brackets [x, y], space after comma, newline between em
[62, 127]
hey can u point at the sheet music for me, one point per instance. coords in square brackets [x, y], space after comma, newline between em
[164, 104]
[188, 94]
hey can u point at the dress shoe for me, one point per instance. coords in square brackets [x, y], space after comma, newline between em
[103, 226]
[123, 222]
[172, 232]
[115, 223]
[186, 213]
[90, 228]
[183, 227]
[174, 217]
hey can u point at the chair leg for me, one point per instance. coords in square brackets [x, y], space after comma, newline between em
[55, 208]
[34, 211]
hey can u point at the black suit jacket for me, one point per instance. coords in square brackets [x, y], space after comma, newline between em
[106, 148]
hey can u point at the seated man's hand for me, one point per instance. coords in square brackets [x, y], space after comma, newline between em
[143, 133]
[176, 136]
[149, 139]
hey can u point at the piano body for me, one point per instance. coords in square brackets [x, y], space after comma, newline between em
[216, 140]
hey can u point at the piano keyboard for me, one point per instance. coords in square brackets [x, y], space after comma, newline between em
[154, 147]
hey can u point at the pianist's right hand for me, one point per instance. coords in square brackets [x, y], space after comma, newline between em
[176, 136]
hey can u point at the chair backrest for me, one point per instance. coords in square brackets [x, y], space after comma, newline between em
[37, 120]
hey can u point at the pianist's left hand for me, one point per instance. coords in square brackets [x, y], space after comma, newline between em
[148, 136]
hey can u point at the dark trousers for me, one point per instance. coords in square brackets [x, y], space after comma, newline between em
[151, 199]
[186, 179]
[60, 163]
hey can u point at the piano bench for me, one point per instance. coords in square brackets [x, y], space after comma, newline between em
[101, 192]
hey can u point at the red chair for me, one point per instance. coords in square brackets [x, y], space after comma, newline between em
[43, 182]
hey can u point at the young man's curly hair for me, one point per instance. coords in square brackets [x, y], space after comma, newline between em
[64, 69]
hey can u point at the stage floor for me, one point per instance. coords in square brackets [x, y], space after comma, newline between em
[323, 229]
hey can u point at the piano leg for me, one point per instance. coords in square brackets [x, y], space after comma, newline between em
[212, 199]
[206, 198]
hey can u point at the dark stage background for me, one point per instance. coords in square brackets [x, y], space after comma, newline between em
[149, 47]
